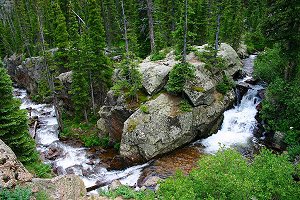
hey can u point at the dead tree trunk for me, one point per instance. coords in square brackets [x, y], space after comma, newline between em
[185, 33]
[151, 25]
[49, 74]
[125, 28]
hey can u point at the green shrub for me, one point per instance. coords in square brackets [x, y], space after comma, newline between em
[128, 193]
[130, 80]
[117, 146]
[160, 55]
[40, 169]
[42, 195]
[227, 175]
[208, 56]
[94, 140]
[145, 109]
[15, 194]
[185, 106]
[255, 41]
[178, 77]
[225, 85]
[177, 187]
[270, 65]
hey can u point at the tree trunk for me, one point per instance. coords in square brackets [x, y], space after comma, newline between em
[50, 77]
[173, 16]
[92, 92]
[151, 25]
[185, 33]
[217, 33]
[125, 28]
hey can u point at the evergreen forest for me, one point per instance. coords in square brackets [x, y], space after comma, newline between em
[103, 42]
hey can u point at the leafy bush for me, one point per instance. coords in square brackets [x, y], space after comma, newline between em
[185, 106]
[178, 77]
[225, 85]
[227, 175]
[144, 109]
[208, 56]
[86, 132]
[255, 41]
[40, 169]
[270, 65]
[130, 80]
[160, 55]
[94, 140]
[15, 194]
[281, 106]
[128, 193]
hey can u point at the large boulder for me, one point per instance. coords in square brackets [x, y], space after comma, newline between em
[64, 96]
[112, 116]
[27, 73]
[232, 60]
[60, 188]
[200, 89]
[155, 73]
[165, 128]
[12, 172]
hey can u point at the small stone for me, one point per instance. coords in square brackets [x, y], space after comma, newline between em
[114, 185]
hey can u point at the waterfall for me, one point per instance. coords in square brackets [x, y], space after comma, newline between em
[239, 122]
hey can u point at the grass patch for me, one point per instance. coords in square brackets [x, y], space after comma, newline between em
[40, 169]
[132, 124]
[185, 106]
[87, 133]
[198, 89]
[128, 193]
[16, 194]
[225, 85]
[144, 108]
[160, 55]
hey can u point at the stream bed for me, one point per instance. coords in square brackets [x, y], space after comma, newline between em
[237, 130]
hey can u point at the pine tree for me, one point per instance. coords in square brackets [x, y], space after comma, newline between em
[13, 123]
[61, 39]
[100, 70]
[282, 26]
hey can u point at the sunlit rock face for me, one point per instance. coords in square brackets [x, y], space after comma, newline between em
[12, 172]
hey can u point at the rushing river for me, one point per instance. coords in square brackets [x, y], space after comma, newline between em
[71, 160]
[236, 131]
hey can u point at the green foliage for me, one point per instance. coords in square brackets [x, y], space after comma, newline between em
[18, 193]
[86, 132]
[178, 76]
[145, 109]
[270, 64]
[132, 124]
[185, 106]
[94, 140]
[227, 175]
[177, 187]
[42, 195]
[225, 85]
[117, 146]
[130, 79]
[208, 56]
[13, 123]
[40, 169]
[160, 55]
[128, 193]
